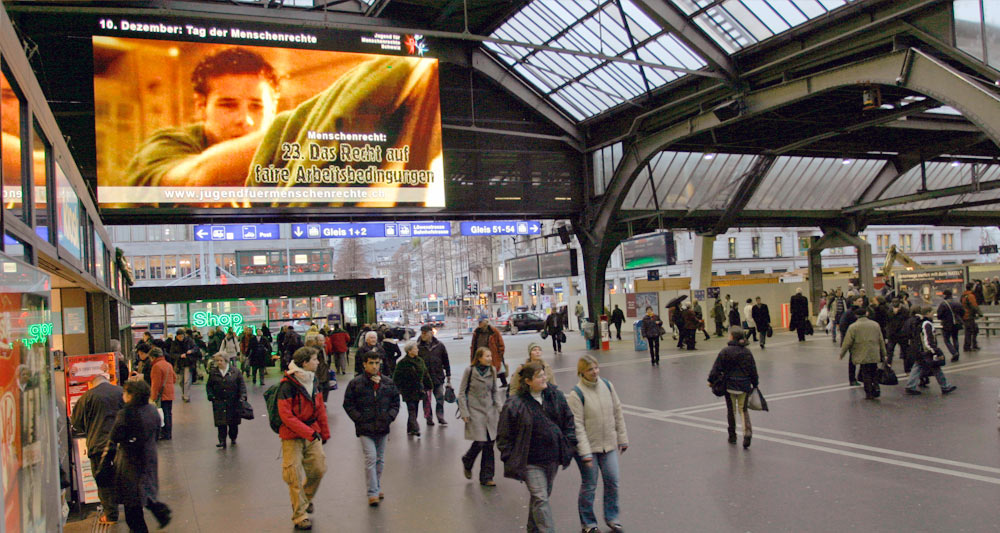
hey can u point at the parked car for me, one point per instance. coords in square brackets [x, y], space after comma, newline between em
[393, 317]
[435, 320]
[400, 332]
[520, 321]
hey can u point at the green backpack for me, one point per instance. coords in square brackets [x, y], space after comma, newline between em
[271, 400]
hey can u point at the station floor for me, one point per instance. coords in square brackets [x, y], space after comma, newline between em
[822, 459]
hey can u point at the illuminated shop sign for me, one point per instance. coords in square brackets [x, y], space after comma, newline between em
[205, 319]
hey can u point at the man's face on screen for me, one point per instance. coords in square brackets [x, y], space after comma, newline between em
[236, 104]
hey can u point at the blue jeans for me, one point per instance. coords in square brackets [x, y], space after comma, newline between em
[608, 465]
[539, 480]
[920, 370]
[374, 448]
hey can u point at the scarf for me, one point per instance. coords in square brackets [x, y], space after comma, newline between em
[304, 377]
[482, 369]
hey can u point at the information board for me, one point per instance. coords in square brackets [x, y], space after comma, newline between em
[558, 264]
[523, 268]
[237, 232]
[501, 227]
[926, 286]
[649, 251]
[370, 230]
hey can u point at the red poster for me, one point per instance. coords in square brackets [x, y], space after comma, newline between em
[630, 305]
[10, 407]
[80, 369]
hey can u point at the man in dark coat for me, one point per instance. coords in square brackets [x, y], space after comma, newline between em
[895, 333]
[689, 326]
[719, 315]
[950, 315]
[799, 307]
[94, 414]
[185, 355]
[617, 319]
[372, 402]
[259, 357]
[435, 356]
[762, 318]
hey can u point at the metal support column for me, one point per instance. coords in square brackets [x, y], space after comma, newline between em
[701, 271]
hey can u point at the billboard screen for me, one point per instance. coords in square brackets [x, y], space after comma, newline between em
[649, 251]
[523, 268]
[927, 286]
[558, 264]
[225, 122]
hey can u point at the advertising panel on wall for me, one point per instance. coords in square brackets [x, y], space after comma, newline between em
[245, 115]
[559, 264]
[927, 286]
[30, 474]
[649, 251]
[523, 268]
[68, 213]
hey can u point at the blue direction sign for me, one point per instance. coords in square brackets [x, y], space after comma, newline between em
[502, 227]
[237, 232]
[370, 229]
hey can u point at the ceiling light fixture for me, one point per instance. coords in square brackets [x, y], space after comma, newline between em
[846, 161]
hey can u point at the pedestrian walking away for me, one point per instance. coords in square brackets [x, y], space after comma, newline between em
[863, 340]
[536, 436]
[617, 319]
[737, 370]
[162, 377]
[600, 437]
[480, 400]
[799, 307]
[94, 415]
[762, 319]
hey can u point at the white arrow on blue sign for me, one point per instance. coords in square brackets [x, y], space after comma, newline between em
[237, 232]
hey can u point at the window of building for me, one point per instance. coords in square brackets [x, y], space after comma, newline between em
[311, 261]
[732, 247]
[755, 246]
[175, 232]
[155, 272]
[804, 243]
[138, 266]
[947, 241]
[16, 248]
[184, 265]
[926, 242]
[120, 233]
[170, 266]
[733, 272]
[261, 262]
[906, 242]
[757, 271]
[778, 252]
[154, 233]
[138, 233]
[41, 154]
[882, 243]
[779, 270]
[225, 262]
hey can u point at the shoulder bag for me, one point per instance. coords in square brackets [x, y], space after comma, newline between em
[719, 385]
[756, 401]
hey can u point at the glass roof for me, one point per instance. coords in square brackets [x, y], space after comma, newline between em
[585, 87]
[941, 175]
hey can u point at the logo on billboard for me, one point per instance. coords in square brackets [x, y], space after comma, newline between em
[415, 45]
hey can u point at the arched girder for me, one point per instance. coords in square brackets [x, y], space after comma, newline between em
[909, 68]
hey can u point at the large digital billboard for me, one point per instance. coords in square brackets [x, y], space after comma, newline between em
[212, 119]
[649, 251]
[523, 268]
[559, 264]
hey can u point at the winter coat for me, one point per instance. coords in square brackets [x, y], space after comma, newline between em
[989, 292]
[689, 319]
[480, 400]
[617, 316]
[514, 430]
[949, 313]
[553, 324]
[134, 431]
[339, 340]
[651, 326]
[225, 392]
[178, 348]
[734, 316]
[95, 413]
[163, 378]
[323, 368]
[748, 316]
[371, 409]
[302, 415]
[260, 352]
[597, 417]
[880, 314]
[864, 340]
[799, 307]
[736, 362]
[412, 379]
[719, 312]
[230, 347]
[515, 380]
[761, 317]
[495, 344]
[435, 355]
[970, 305]
[894, 326]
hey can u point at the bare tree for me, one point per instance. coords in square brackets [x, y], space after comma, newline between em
[352, 260]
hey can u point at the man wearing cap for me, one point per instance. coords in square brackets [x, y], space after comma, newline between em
[94, 414]
[435, 356]
[487, 336]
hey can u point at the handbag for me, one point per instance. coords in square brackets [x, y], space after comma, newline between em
[756, 401]
[886, 376]
[246, 410]
[449, 394]
[719, 385]
[562, 337]
[770, 331]
[937, 358]
[104, 470]
[544, 334]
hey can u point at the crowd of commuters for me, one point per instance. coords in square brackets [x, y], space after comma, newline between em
[536, 426]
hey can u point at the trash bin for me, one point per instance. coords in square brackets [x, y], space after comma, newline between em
[639, 340]
[588, 334]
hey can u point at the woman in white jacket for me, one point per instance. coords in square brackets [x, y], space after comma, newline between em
[230, 346]
[480, 401]
[600, 437]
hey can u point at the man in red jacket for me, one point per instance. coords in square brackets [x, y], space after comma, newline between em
[162, 390]
[338, 342]
[304, 430]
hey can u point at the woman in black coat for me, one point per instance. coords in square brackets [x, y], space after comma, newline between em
[134, 432]
[413, 380]
[734, 315]
[736, 366]
[226, 390]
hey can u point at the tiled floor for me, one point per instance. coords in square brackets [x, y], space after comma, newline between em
[822, 459]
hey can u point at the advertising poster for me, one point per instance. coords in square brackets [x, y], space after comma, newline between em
[225, 122]
[80, 369]
[630, 310]
[926, 286]
[27, 428]
[86, 485]
[646, 299]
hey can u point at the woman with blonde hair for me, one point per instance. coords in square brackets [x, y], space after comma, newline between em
[479, 402]
[534, 355]
[600, 438]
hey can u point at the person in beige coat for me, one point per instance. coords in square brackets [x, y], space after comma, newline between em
[534, 354]
[479, 402]
[600, 437]
[864, 341]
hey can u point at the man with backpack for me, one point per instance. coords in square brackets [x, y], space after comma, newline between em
[296, 407]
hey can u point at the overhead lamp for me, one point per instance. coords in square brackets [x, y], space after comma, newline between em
[152, 303]
[955, 163]
[846, 161]
[709, 155]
